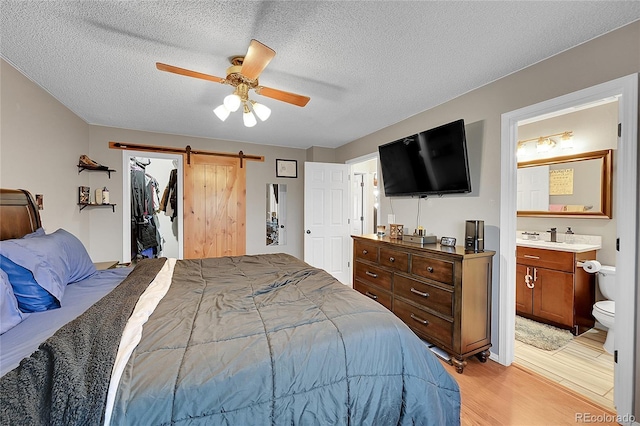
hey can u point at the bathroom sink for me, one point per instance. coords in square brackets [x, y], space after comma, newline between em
[560, 245]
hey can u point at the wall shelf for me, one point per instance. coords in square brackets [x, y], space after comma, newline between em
[91, 169]
[83, 206]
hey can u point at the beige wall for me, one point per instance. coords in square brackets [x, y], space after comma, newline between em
[611, 56]
[41, 141]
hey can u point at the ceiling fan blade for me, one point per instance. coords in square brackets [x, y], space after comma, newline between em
[283, 96]
[257, 58]
[188, 73]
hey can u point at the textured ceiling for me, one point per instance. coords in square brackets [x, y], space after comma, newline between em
[365, 65]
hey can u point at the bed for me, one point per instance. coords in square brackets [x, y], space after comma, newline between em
[262, 339]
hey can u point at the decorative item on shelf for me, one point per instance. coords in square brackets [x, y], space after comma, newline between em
[84, 195]
[381, 230]
[105, 195]
[98, 199]
[420, 231]
[87, 163]
[396, 231]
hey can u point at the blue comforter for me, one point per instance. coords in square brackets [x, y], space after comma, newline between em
[269, 340]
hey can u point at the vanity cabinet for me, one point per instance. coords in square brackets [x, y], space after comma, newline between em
[551, 288]
[442, 293]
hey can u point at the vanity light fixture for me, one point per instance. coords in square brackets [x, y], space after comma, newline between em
[546, 143]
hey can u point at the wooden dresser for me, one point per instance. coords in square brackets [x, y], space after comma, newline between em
[442, 293]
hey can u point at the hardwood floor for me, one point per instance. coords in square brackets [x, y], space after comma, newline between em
[496, 395]
[582, 365]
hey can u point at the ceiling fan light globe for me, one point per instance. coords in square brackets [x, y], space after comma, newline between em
[248, 118]
[222, 112]
[232, 102]
[262, 111]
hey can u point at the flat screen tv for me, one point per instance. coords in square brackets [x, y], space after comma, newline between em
[432, 162]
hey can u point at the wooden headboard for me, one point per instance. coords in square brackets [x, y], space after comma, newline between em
[19, 214]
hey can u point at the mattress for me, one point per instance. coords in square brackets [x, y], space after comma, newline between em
[261, 339]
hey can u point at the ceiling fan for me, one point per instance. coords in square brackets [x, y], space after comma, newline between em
[243, 75]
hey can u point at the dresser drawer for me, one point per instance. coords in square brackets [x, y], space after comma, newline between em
[373, 275]
[394, 259]
[550, 259]
[423, 294]
[424, 323]
[366, 251]
[375, 293]
[434, 269]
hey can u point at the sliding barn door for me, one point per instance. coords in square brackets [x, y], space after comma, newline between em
[214, 207]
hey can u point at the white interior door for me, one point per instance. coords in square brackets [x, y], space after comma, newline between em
[533, 189]
[326, 213]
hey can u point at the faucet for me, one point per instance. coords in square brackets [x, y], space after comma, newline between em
[553, 234]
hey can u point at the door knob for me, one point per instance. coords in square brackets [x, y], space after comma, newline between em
[308, 231]
[282, 226]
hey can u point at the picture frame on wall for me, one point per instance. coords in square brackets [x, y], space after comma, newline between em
[286, 168]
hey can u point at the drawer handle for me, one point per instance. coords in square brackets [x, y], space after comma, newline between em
[420, 320]
[392, 259]
[430, 269]
[371, 274]
[364, 252]
[528, 256]
[421, 293]
[371, 295]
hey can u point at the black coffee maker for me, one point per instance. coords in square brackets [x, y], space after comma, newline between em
[474, 236]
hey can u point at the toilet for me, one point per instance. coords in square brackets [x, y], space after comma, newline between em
[605, 310]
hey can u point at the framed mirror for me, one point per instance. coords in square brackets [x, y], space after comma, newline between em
[578, 185]
[276, 210]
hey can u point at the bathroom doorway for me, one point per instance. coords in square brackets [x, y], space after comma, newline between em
[625, 89]
[579, 363]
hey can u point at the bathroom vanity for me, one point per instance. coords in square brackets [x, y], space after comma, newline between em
[551, 287]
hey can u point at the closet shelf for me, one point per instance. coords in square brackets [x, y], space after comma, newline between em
[91, 169]
[85, 205]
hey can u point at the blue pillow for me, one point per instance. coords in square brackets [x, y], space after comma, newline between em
[30, 296]
[54, 260]
[37, 233]
[10, 315]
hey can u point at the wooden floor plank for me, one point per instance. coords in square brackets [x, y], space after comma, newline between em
[493, 394]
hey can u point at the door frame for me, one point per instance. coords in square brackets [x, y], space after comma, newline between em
[627, 219]
[351, 163]
[126, 198]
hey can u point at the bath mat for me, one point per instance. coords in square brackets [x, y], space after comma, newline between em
[540, 335]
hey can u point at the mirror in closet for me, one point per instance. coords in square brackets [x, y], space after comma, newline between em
[276, 211]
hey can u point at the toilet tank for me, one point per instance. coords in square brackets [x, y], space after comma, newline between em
[607, 281]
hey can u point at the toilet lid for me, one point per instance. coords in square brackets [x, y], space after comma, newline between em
[607, 306]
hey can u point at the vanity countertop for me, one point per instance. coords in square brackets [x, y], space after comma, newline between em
[560, 246]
